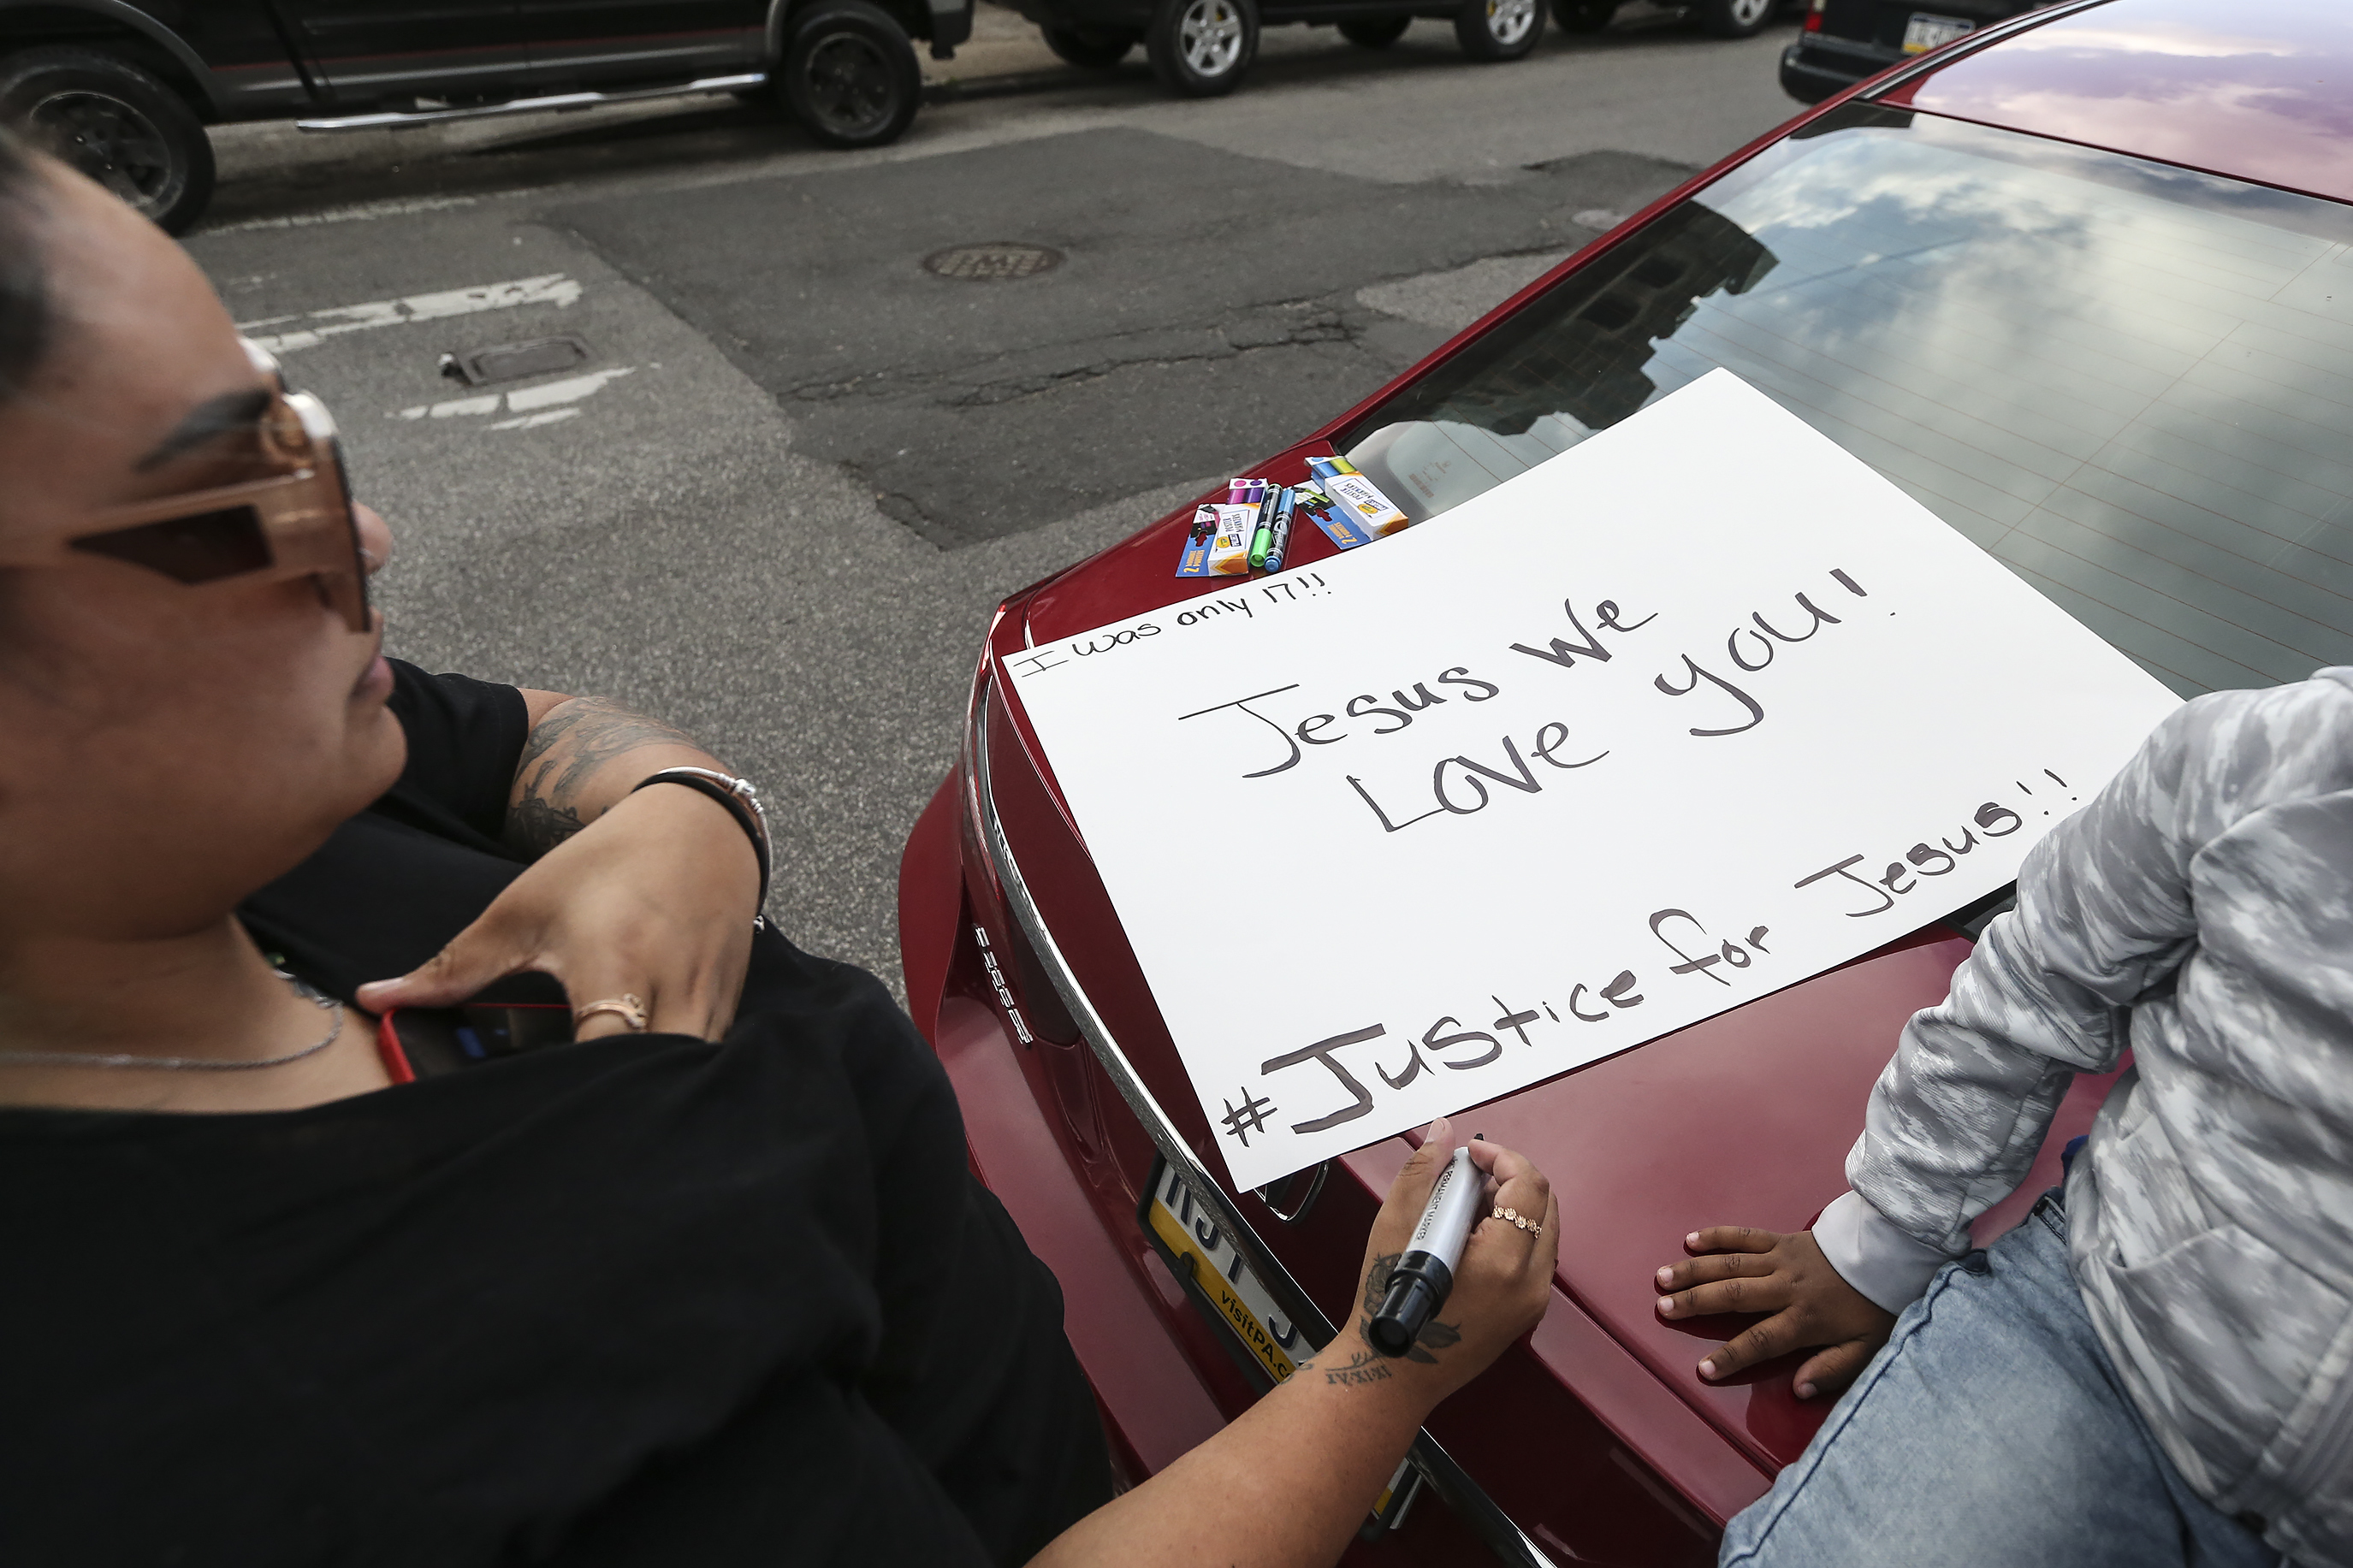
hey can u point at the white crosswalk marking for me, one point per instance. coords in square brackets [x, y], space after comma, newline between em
[548, 403]
[554, 288]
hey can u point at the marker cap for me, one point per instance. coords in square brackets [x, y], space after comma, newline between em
[1413, 1297]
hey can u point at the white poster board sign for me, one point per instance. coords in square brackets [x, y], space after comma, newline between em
[1700, 708]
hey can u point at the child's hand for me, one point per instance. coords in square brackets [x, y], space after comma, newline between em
[1786, 1276]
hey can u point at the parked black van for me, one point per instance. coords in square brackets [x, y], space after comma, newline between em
[124, 89]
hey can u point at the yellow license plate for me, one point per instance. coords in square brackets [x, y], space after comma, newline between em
[1195, 1244]
[1197, 1248]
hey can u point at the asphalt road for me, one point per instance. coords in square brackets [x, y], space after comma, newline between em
[779, 496]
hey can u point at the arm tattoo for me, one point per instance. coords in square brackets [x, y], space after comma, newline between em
[565, 751]
[1434, 1336]
[1377, 1280]
[1368, 1365]
[1364, 1366]
[570, 745]
[535, 828]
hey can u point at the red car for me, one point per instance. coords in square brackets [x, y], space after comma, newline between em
[2081, 282]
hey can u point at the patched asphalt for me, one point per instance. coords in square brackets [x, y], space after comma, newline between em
[1203, 313]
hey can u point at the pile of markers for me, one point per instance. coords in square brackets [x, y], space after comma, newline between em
[1250, 530]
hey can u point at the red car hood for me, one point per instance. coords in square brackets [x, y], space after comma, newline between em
[1744, 1119]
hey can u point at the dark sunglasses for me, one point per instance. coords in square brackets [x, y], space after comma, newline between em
[294, 523]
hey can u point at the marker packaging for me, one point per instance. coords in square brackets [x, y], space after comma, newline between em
[1230, 547]
[1286, 501]
[1349, 489]
[1339, 527]
[1194, 561]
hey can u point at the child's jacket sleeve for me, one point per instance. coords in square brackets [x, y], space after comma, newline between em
[2104, 914]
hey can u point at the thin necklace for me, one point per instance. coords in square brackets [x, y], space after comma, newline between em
[189, 1064]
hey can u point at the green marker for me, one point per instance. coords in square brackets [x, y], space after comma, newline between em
[1263, 540]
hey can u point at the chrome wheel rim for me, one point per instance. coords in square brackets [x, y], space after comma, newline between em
[1210, 34]
[1749, 13]
[110, 141]
[1509, 21]
[849, 85]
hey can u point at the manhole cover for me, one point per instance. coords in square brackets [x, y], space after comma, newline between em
[512, 361]
[994, 262]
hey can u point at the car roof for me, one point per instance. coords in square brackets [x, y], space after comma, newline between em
[2257, 90]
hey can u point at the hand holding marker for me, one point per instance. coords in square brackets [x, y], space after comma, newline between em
[1424, 1274]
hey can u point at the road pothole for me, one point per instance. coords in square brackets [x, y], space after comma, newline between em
[997, 261]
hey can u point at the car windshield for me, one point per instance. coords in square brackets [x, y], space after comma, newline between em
[2128, 382]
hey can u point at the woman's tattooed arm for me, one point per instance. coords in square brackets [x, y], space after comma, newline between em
[582, 756]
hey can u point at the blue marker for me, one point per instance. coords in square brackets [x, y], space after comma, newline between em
[1262, 537]
[1285, 502]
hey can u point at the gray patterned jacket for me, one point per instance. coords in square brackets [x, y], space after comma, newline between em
[2198, 912]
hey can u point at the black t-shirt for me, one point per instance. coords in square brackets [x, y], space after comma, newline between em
[379, 897]
[638, 1300]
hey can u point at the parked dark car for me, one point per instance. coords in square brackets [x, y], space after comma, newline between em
[2077, 283]
[124, 89]
[1202, 49]
[1846, 40]
[1725, 18]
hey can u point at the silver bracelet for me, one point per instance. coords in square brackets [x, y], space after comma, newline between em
[742, 800]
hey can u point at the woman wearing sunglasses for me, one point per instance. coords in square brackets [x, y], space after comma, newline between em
[712, 1285]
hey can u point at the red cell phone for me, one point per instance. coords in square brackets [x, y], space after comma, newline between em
[428, 1042]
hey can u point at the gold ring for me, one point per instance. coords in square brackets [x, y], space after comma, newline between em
[628, 1006]
[1513, 1216]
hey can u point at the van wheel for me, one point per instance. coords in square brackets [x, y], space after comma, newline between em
[116, 124]
[1201, 48]
[1375, 32]
[1735, 18]
[1583, 15]
[851, 76]
[1096, 49]
[1498, 29]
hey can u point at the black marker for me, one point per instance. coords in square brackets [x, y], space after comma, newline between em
[1423, 1276]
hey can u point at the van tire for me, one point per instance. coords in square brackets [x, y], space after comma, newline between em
[115, 123]
[1734, 18]
[1202, 49]
[850, 75]
[1499, 29]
